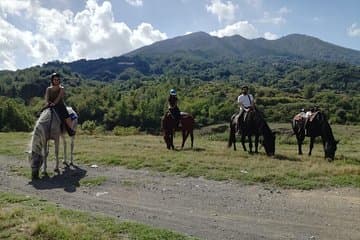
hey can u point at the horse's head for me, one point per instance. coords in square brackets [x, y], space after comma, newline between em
[330, 149]
[35, 160]
[269, 143]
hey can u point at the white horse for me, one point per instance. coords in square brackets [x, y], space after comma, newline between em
[48, 127]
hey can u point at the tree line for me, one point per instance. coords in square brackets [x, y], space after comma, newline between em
[140, 100]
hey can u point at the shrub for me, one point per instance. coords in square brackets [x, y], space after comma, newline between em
[125, 131]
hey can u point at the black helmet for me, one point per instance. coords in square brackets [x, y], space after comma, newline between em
[54, 75]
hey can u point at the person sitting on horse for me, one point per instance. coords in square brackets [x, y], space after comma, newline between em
[54, 97]
[246, 103]
[302, 113]
[173, 108]
[308, 115]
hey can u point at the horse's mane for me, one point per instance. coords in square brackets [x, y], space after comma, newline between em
[325, 127]
[45, 116]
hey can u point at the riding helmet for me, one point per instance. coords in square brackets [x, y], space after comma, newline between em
[173, 92]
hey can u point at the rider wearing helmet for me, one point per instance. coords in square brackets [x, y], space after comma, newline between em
[173, 108]
[54, 97]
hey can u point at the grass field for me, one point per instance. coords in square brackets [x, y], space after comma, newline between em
[212, 159]
[22, 217]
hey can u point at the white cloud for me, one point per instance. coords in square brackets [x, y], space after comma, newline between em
[145, 34]
[64, 35]
[136, 3]
[272, 19]
[284, 10]
[270, 36]
[277, 18]
[242, 28]
[254, 3]
[18, 46]
[224, 11]
[13, 6]
[353, 30]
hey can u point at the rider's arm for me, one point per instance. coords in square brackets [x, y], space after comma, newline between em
[60, 96]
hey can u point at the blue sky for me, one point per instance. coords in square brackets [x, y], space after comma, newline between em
[37, 31]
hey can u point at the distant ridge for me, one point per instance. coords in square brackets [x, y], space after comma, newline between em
[200, 50]
[295, 45]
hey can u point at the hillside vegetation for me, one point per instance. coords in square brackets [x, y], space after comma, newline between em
[285, 75]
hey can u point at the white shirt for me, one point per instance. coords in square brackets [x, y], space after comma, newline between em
[244, 100]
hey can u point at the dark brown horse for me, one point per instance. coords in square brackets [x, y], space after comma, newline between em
[254, 124]
[168, 126]
[316, 125]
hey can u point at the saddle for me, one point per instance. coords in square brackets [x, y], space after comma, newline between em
[312, 116]
[299, 117]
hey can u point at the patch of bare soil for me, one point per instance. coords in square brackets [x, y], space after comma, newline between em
[195, 206]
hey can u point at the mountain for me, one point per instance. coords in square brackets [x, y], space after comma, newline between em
[203, 45]
[205, 57]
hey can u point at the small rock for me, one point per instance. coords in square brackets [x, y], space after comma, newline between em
[98, 194]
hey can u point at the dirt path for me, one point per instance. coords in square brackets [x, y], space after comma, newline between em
[198, 207]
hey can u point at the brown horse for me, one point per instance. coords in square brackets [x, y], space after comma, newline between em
[317, 125]
[168, 125]
[254, 124]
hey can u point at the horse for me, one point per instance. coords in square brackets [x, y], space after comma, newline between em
[316, 125]
[47, 127]
[253, 124]
[168, 126]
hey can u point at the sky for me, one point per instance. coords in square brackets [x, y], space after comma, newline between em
[33, 32]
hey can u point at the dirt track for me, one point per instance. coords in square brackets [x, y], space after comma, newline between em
[198, 207]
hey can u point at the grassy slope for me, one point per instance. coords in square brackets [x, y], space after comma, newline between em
[26, 218]
[212, 159]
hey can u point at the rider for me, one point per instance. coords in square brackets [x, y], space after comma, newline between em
[246, 103]
[173, 108]
[54, 97]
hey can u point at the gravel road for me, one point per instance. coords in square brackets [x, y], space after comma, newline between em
[195, 206]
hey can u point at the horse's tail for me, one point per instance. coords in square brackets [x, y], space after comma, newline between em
[232, 132]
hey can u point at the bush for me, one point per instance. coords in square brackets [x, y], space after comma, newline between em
[125, 131]
[88, 127]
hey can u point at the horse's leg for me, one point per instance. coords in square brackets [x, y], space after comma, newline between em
[185, 135]
[172, 140]
[299, 143]
[72, 138]
[256, 143]
[243, 141]
[250, 143]
[192, 138]
[46, 153]
[57, 140]
[312, 139]
[232, 137]
[64, 143]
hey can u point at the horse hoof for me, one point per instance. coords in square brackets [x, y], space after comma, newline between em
[35, 175]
